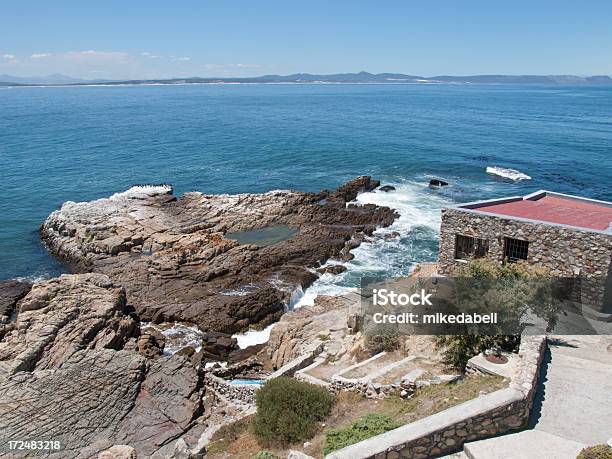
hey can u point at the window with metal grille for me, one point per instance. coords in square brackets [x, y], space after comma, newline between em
[515, 249]
[470, 247]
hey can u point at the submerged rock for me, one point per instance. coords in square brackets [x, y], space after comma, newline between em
[437, 183]
[332, 269]
[387, 188]
[175, 263]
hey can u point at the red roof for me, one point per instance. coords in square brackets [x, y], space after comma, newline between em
[556, 209]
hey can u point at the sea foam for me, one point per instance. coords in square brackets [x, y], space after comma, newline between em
[511, 174]
[253, 337]
[392, 251]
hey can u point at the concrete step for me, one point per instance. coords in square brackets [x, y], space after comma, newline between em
[528, 444]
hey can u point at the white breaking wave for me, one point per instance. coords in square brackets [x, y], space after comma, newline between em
[253, 337]
[244, 290]
[34, 278]
[392, 251]
[178, 336]
[511, 174]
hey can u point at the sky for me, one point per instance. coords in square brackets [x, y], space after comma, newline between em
[154, 39]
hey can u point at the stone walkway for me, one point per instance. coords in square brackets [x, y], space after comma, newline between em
[574, 400]
[572, 409]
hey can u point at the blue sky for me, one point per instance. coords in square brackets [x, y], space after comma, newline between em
[137, 39]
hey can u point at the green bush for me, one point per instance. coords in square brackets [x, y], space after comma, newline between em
[388, 342]
[289, 410]
[596, 452]
[367, 426]
[516, 289]
[265, 455]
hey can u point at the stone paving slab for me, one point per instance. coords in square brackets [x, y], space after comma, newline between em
[529, 444]
[574, 397]
[505, 370]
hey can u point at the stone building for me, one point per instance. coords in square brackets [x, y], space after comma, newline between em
[568, 235]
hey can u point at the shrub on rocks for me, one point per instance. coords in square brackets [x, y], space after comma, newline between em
[386, 341]
[289, 411]
[596, 452]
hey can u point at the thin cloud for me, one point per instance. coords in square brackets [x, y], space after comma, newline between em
[119, 64]
[97, 54]
[151, 55]
[232, 66]
[247, 66]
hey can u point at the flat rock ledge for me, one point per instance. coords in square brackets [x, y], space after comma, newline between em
[175, 262]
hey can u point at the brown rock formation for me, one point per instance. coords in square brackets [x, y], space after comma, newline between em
[11, 291]
[305, 329]
[66, 374]
[175, 264]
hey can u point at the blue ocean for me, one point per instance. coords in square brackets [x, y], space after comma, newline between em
[82, 143]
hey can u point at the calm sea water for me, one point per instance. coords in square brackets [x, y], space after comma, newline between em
[82, 143]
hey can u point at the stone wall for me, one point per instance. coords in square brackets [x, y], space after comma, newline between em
[444, 432]
[244, 393]
[564, 251]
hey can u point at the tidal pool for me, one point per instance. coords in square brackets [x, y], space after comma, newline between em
[263, 236]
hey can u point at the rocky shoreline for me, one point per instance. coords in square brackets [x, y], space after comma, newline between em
[77, 367]
[175, 263]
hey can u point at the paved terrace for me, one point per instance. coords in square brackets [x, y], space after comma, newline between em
[572, 409]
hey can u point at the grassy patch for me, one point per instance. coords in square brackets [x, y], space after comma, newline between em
[265, 455]
[366, 427]
[433, 399]
[351, 407]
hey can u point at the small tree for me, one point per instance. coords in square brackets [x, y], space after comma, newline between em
[514, 289]
[289, 410]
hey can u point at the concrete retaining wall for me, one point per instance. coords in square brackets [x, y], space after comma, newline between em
[444, 432]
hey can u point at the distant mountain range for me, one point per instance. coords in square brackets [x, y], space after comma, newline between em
[53, 79]
[361, 77]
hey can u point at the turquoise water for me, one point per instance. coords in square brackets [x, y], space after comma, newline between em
[82, 143]
[252, 382]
